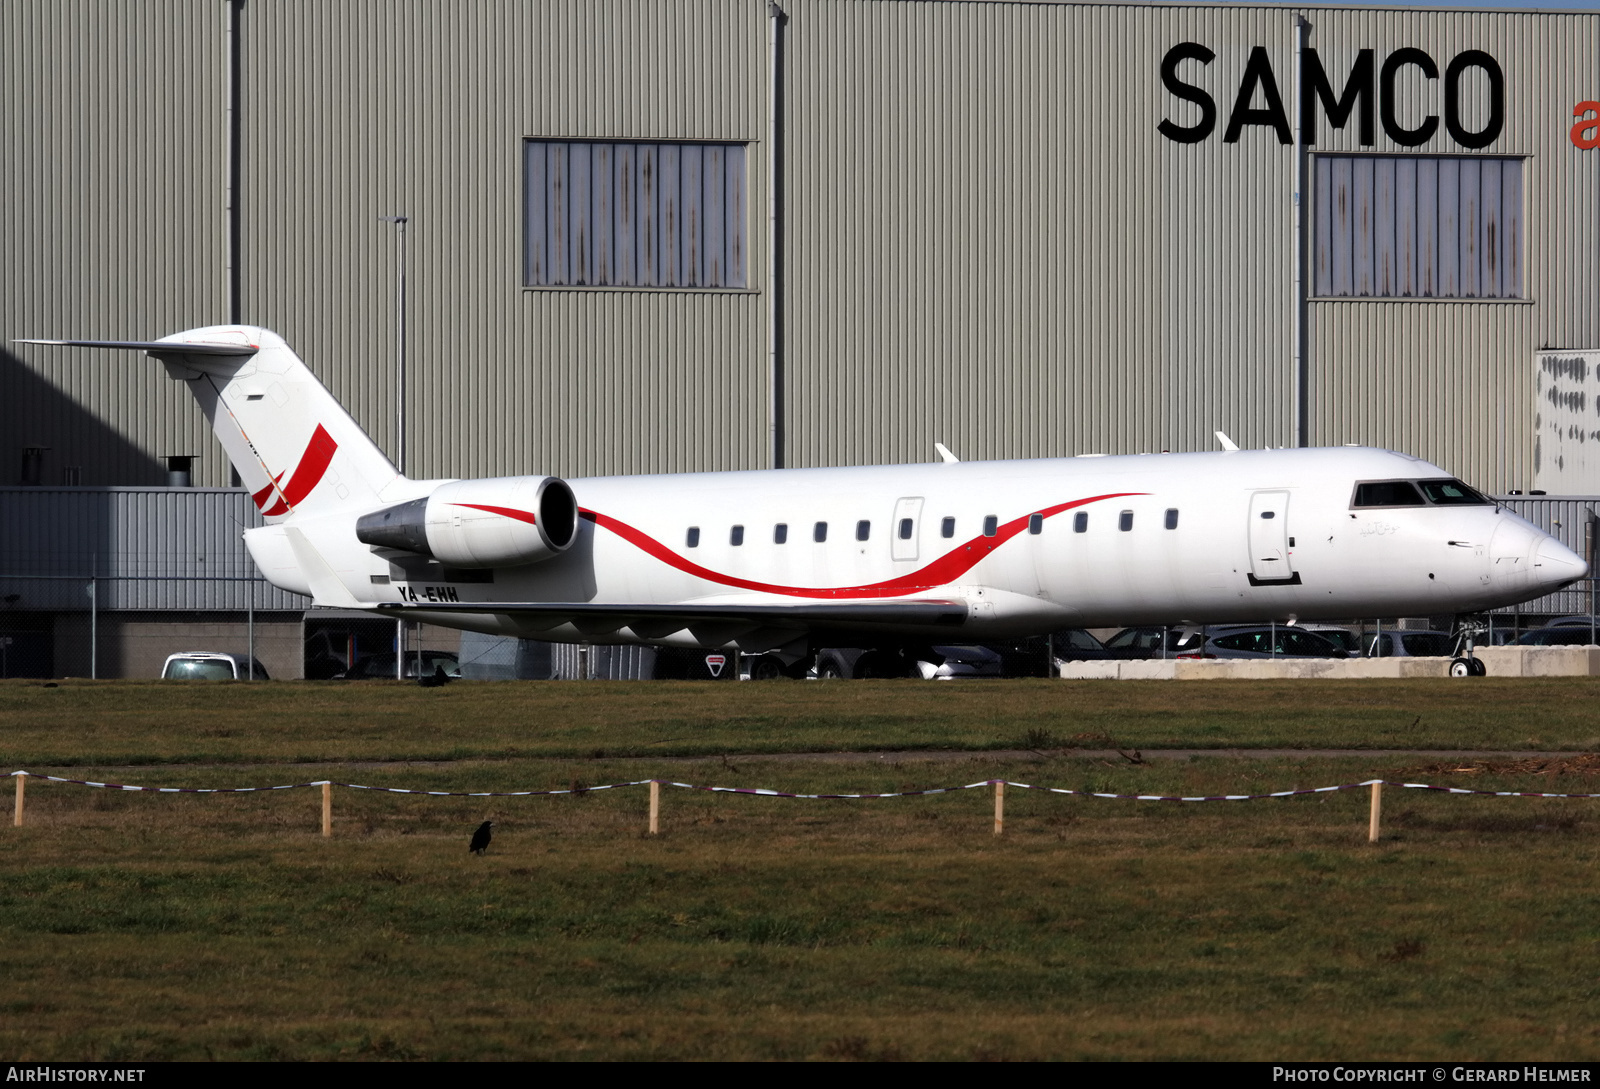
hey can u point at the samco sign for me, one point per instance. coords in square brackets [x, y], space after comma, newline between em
[1469, 85]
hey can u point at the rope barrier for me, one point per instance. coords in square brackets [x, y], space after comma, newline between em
[655, 785]
[768, 793]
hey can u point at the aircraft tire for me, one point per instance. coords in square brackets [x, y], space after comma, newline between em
[766, 668]
[1478, 668]
[830, 667]
[1461, 667]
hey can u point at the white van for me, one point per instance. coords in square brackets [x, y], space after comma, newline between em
[208, 665]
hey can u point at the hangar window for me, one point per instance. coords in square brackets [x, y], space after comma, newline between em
[947, 528]
[780, 533]
[634, 214]
[1417, 226]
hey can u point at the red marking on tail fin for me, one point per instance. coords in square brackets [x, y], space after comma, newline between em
[264, 494]
[307, 474]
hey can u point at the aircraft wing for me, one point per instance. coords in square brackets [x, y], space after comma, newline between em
[657, 621]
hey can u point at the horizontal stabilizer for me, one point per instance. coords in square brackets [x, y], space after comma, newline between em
[154, 347]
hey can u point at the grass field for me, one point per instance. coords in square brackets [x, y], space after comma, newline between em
[145, 927]
[114, 722]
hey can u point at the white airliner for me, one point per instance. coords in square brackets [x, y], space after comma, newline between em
[888, 557]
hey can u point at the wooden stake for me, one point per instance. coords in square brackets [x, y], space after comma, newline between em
[1377, 812]
[655, 806]
[999, 807]
[327, 810]
[22, 785]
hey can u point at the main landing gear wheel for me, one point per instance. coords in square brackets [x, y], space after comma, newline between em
[768, 667]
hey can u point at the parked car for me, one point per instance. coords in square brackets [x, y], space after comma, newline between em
[1411, 644]
[1267, 641]
[948, 663]
[1566, 632]
[1341, 637]
[375, 667]
[1145, 642]
[210, 665]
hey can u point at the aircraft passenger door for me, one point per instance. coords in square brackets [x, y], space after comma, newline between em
[1269, 537]
[905, 529]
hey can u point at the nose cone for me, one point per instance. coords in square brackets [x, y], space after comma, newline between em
[1555, 565]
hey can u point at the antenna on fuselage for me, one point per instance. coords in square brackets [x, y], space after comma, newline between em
[944, 454]
[1227, 443]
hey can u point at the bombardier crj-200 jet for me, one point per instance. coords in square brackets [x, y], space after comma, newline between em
[894, 558]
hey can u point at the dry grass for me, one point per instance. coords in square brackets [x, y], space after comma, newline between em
[141, 927]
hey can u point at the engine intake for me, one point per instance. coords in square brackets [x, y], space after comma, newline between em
[500, 522]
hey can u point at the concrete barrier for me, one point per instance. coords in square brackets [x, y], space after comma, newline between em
[1541, 661]
[1497, 661]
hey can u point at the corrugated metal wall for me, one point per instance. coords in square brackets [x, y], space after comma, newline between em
[150, 548]
[986, 239]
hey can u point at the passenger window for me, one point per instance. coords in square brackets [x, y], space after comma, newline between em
[693, 538]
[819, 532]
[1080, 522]
[990, 525]
[1387, 493]
[863, 530]
[736, 536]
[905, 529]
[780, 533]
[1125, 521]
[1035, 523]
[947, 528]
[1172, 517]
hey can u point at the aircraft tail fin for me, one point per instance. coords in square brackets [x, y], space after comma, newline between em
[292, 444]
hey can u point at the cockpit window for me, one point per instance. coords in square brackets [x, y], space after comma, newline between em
[1450, 493]
[1387, 493]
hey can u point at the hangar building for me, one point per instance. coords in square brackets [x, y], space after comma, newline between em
[651, 236]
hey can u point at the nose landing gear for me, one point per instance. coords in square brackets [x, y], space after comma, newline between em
[1466, 664]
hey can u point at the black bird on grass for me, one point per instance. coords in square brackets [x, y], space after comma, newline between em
[480, 838]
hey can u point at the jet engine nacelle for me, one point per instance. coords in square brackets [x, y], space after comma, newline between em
[499, 522]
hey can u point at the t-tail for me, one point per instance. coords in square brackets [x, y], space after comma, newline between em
[294, 447]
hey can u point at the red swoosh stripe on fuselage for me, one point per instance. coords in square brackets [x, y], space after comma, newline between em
[942, 571]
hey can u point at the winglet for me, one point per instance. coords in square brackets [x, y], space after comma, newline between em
[944, 453]
[1227, 443]
[326, 589]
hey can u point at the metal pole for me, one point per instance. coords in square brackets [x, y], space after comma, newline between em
[399, 222]
[1300, 371]
[94, 632]
[250, 624]
[775, 20]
